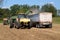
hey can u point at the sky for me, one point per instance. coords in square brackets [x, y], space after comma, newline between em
[8, 3]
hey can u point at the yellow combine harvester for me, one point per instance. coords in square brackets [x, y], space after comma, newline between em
[20, 21]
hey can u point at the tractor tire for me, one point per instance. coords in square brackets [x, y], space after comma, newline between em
[11, 25]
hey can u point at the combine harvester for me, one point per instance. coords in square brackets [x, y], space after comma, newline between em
[20, 21]
[43, 19]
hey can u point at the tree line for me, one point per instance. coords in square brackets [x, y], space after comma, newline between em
[15, 9]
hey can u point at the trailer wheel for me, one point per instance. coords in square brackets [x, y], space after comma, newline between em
[46, 26]
[37, 25]
[49, 26]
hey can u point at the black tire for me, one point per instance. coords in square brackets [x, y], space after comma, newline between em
[23, 27]
[29, 25]
[46, 26]
[49, 26]
[11, 25]
[37, 25]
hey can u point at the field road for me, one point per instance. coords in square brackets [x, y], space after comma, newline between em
[30, 34]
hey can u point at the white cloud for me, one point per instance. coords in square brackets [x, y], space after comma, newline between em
[51, 2]
[5, 7]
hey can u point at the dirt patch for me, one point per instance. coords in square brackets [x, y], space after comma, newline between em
[30, 34]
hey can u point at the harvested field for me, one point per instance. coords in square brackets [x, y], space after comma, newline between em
[30, 34]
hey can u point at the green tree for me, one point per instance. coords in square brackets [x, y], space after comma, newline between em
[6, 12]
[49, 8]
[23, 8]
[1, 13]
[14, 9]
[35, 6]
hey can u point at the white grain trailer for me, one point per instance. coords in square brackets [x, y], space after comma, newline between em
[43, 19]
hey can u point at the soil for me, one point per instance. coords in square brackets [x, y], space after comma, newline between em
[30, 34]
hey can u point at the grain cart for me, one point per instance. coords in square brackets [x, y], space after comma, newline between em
[21, 22]
[5, 21]
[43, 19]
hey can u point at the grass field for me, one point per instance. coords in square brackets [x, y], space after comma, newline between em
[1, 21]
[56, 20]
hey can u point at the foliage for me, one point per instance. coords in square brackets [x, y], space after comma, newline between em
[4, 12]
[35, 6]
[49, 8]
[17, 9]
[23, 8]
[56, 20]
[14, 9]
